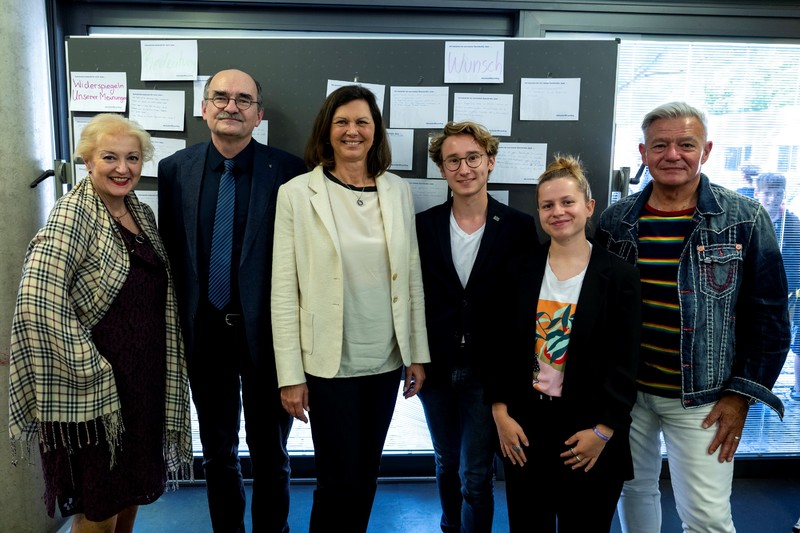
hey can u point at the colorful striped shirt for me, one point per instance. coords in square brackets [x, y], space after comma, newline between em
[661, 240]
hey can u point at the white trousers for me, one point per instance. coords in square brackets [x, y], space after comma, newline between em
[702, 485]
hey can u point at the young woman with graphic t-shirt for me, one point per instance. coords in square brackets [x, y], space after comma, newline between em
[563, 381]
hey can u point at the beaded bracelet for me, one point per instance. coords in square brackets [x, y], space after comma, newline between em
[600, 434]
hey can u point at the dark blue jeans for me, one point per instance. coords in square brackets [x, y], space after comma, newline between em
[464, 441]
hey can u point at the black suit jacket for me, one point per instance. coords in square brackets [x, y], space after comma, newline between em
[453, 312]
[180, 178]
[599, 377]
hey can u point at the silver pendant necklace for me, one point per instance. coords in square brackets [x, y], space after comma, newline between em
[353, 189]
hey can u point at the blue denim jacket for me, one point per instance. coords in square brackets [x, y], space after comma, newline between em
[735, 328]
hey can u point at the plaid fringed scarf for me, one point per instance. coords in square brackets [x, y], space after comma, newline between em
[74, 268]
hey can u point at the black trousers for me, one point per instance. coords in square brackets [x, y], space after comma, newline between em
[349, 419]
[224, 379]
[546, 496]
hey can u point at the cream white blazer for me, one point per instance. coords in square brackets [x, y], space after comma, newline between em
[307, 287]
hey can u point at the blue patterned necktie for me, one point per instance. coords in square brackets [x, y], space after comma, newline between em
[219, 268]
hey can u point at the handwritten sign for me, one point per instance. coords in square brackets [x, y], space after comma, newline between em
[474, 62]
[549, 98]
[158, 110]
[98, 91]
[418, 107]
[169, 60]
[493, 111]
[519, 163]
[427, 193]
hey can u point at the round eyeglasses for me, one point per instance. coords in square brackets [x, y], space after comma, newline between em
[221, 102]
[454, 163]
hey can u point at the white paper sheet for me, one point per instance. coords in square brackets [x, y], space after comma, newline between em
[549, 98]
[98, 91]
[150, 198]
[261, 132]
[401, 143]
[419, 107]
[474, 62]
[493, 111]
[157, 110]
[519, 163]
[427, 192]
[78, 123]
[197, 91]
[164, 147]
[169, 60]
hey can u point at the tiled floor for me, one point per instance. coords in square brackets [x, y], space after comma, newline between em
[759, 506]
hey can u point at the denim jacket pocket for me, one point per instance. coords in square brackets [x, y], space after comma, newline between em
[719, 268]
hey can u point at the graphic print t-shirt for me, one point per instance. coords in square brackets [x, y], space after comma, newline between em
[554, 315]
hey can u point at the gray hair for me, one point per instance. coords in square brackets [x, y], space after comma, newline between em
[675, 110]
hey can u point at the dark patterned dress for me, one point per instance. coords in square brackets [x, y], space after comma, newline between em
[132, 338]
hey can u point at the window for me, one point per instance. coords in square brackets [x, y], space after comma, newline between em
[733, 158]
[787, 158]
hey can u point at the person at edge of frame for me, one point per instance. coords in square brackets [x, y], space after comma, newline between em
[715, 323]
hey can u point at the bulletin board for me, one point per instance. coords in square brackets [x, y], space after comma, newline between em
[294, 74]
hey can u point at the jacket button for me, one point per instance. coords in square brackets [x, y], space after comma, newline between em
[394, 276]
[394, 300]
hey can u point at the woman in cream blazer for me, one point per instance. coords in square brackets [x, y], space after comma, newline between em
[347, 302]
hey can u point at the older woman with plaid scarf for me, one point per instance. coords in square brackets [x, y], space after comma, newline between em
[97, 375]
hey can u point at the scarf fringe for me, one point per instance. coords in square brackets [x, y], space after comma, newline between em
[21, 449]
[178, 458]
[178, 454]
[68, 435]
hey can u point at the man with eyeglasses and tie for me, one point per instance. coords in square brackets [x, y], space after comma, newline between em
[464, 246]
[216, 216]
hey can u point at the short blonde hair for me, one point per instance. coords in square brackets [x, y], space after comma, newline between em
[111, 124]
[567, 166]
[481, 135]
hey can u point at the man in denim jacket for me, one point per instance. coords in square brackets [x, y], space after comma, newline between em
[715, 322]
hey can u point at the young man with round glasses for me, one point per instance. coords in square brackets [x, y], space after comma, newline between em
[464, 245]
[217, 211]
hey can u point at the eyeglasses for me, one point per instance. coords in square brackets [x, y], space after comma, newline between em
[454, 163]
[221, 102]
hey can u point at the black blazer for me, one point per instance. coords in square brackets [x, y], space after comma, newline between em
[453, 311]
[179, 182]
[599, 377]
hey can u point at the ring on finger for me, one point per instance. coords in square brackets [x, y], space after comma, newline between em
[572, 451]
[736, 437]
[578, 457]
[516, 448]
